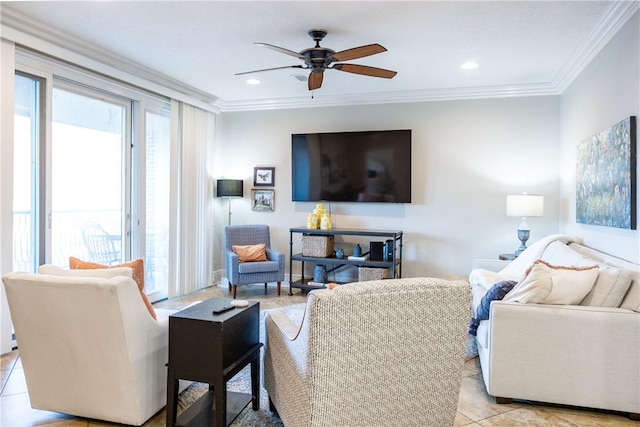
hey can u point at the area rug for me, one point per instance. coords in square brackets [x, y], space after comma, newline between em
[239, 383]
[471, 348]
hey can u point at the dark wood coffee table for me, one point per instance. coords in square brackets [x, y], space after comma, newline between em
[211, 349]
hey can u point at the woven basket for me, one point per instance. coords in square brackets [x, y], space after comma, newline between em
[317, 246]
[373, 273]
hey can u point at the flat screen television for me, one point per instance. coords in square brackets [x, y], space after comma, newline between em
[370, 166]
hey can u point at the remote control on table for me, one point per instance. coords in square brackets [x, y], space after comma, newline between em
[222, 309]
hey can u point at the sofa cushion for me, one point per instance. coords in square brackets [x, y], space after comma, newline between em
[258, 267]
[482, 334]
[136, 265]
[632, 300]
[550, 284]
[610, 288]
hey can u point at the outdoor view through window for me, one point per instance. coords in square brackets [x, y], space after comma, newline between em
[85, 183]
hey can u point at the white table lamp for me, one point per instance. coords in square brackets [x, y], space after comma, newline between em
[524, 205]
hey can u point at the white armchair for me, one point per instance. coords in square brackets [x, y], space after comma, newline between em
[88, 345]
[379, 353]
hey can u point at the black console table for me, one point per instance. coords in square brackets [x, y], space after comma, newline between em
[212, 348]
[394, 264]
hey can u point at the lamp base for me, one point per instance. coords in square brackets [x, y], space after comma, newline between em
[523, 235]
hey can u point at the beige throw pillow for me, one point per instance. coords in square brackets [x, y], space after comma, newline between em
[610, 288]
[550, 284]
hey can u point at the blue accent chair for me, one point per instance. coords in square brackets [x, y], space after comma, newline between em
[246, 273]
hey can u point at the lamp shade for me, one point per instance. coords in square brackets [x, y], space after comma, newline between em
[525, 205]
[229, 188]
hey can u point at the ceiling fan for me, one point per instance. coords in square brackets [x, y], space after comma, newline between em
[318, 59]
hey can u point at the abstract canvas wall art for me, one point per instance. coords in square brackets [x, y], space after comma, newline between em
[606, 177]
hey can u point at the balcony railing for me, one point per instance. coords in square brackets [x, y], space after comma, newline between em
[67, 240]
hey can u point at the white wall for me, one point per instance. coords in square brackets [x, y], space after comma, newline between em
[467, 156]
[606, 92]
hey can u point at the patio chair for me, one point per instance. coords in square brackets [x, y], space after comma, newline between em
[102, 247]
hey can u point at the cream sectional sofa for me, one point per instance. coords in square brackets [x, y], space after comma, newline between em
[584, 355]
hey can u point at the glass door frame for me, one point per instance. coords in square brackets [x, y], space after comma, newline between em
[139, 209]
[127, 144]
[37, 223]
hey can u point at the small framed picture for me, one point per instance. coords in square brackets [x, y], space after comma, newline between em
[263, 200]
[264, 177]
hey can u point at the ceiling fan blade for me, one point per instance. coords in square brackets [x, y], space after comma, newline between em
[357, 52]
[365, 70]
[281, 50]
[315, 80]
[270, 69]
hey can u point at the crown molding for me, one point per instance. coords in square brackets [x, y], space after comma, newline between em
[432, 95]
[612, 20]
[37, 36]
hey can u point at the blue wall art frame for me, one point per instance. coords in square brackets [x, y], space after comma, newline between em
[606, 177]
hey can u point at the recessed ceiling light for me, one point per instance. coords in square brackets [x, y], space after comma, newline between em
[469, 65]
[253, 81]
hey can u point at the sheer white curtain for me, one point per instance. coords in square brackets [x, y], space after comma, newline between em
[191, 240]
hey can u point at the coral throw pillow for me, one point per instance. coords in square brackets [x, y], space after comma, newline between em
[138, 275]
[251, 253]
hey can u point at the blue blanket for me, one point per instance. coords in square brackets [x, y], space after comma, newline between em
[497, 292]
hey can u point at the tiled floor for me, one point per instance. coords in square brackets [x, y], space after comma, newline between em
[475, 407]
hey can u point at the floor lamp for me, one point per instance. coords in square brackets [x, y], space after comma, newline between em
[524, 205]
[229, 188]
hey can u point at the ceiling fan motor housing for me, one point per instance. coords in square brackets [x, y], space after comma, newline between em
[317, 57]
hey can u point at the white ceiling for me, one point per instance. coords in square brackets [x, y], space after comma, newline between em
[522, 47]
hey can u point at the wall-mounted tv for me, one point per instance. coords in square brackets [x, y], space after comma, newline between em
[370, 166]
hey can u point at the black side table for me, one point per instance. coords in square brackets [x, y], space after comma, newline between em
[210, 348]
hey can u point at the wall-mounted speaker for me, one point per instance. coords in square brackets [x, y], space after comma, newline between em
[376, 251]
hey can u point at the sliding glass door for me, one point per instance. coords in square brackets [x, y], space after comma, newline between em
[88, 177]
[91, 173]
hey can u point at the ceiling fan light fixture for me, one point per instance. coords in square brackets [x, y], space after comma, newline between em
[253, 81]
[470, 65]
